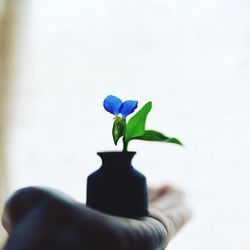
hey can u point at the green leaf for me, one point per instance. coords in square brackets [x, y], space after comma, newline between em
[152, 135]
[118, 129]
[136, 125]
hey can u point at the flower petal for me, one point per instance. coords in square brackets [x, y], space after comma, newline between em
[112, 104]
[128, 107]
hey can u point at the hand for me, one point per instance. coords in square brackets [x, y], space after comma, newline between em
[38, 218]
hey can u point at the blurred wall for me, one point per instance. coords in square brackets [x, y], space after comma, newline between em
[7, 17]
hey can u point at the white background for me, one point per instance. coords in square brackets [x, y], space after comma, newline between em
[191, 58]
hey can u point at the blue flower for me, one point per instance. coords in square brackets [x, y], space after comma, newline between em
[115, 106]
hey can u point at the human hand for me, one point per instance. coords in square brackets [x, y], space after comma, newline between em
[38, 218]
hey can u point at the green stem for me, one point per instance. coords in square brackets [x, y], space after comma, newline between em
[125, 145]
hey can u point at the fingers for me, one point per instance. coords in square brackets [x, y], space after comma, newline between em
[169, 199]
[165, 197]
[155, 193]
[172, 219]
[168, 206]
[179, 216]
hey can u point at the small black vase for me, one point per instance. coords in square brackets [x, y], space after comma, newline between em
[116, 187]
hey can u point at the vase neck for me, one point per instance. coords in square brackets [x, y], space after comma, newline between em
[116, 160]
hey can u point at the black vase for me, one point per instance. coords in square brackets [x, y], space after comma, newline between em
[116, 187]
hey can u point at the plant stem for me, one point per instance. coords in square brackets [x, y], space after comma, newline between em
[125, 145]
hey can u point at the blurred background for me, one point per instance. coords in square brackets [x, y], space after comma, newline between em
[60, 59]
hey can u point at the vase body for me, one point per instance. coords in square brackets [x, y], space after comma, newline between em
[116, 187]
